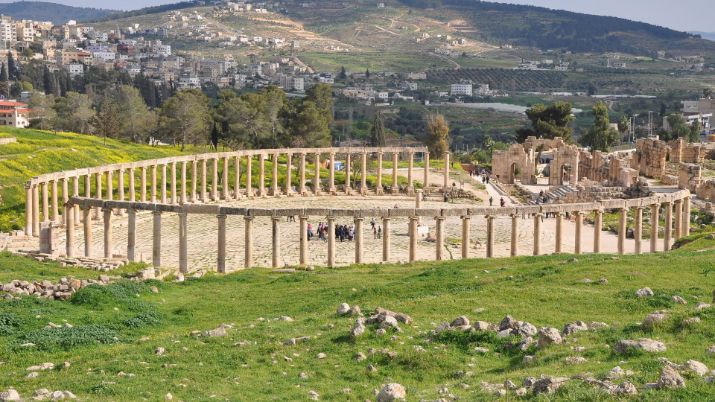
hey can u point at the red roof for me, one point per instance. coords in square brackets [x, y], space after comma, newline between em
[12, 103]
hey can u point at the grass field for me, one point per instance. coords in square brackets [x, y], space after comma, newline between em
[117, 329]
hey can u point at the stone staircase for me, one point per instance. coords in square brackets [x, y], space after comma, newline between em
[560, 192]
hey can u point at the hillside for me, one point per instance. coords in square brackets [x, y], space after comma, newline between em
[46, 11]
[128, 343]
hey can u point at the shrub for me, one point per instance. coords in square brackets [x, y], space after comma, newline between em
[67, 338]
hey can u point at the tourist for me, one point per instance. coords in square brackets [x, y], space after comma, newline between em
[502, 203]
[310, 232]
[379, 232]
[374, 232]
[372, 223]
[491, 201]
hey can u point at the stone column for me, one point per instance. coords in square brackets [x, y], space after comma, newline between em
[654, 218]
[559, 232]
[303, 240]
[154, 178]
[35, 211]
[668, 226]
[466, 233]
[131, 234]
[86, 211]
[237, 179]
[132, 186]
[410, 167]
[183, 183]
[174, 195]
[425, 179]
[445, 187]
[162, 190]
[28, 209]
[622, 227]
[69, 231]
[439, 237]
[276, 256]
[686, 216]
[156, 239]
[316, 179]
[378, 189]
[183, 242]
[275, 190]
[261, 175]
[120, 185]
[110, 187]
[225, 189]
[301, 173]
[395, 187]
[386, 245]
[142, 184]
[363, 174]
[418, 199]
[221, 260]
[331, 175]
[413, 238]
[514, 235]
[289, 174]
[578, 231]
[75, 193]
[45, 203]
[359, 237]
[248, 241]
[249, 183]
[678, 206]
[194, 180]
[348, 186]
[638, 232]
[203, 194]
[88, 186]
[597, 229]
[55, 204]
[537, 233]
[65, 199]
[331, 242]
[107, 232]
[214, 182]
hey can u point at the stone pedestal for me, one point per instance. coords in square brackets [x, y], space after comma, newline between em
[466, 232]
[48, 240]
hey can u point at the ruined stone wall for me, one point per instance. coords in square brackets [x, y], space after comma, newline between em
[682, 151]
[689, 176]
[650, 157]
[564, 168]
[513, 160]
[706, 191]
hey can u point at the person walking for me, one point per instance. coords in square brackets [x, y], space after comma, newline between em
[491, 201]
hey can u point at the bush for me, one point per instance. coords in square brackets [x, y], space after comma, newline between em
[67, 338]
[9, 322]
[123, 292]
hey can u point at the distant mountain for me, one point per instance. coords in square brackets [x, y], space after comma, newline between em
[705, 35]
[57, 13]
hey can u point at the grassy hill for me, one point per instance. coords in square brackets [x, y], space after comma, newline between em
[47, 11]
[37, 152]
[116, 330]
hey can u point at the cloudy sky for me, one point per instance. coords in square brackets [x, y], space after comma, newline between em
[684, 15]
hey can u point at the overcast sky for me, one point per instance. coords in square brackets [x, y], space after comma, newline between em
[683, 15]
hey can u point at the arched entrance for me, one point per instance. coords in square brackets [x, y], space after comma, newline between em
[565, 174]
[514, 173]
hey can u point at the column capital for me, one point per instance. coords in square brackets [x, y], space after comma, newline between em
[577, 212]
[248, 217]
[359, 218]
[438, 218]
[220, 216]
[156, 212]
[466, 217]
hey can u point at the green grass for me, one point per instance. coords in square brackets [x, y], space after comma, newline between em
[116, 329]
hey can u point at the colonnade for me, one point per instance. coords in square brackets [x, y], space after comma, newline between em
[167, 180]
[676, 207]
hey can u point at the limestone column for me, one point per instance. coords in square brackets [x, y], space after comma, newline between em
[45, 203]
[466, 233]
[289, 174]
[75, 193]
[425, 180]
[395, 188]
[686, 216]
[237, 179]
[248, 241]
[65, 199]
[86, 211]
[156, 239]
[490, 236]
[276, 191]
[622, 227]
[418, 199]
[55, 205]
[578, 231]
[162, 191]
[410, 167]
[439, 237]
[142, 184]
[154, 180]
[183, 242]
[413, 238]
[132, 186]
[28, 209]
[276, 256]
[316, 180]
[120, 184]
[261, 175]
[35, 211]
[174, 195]
[69, 231]
[183, 183]
[221, 260]
[386, 245]
[107, 232]
[88, 186]
[654, 221]
[359, 238]
[303, 240]
[678, 206]
[668, 226]
[203, 194]
[214, 182]
[514, 235]
[331, 175]
[348, 185]
[378, 189]
[638, 232]
[331, 242]
[363, 174]
[559, 232]
[445, 188]
[225, 193]
[249, 183]
[131, 234]
[194, 180]
[301, 173]
[597, 229]
[537, 233]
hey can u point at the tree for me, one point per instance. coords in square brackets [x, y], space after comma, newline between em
[367, 73]
[377, 132]
[310, 126]
[695, 129]
[601, 136]
[185, 118]
[42, 112]
[4, 81]
[623, 125]
[322, 96]
[343, 75]
[437, 135]
[108, 120]
[678, 127]
[707, 93]
[12, 69]
[548, 122]
[138, 123]
[242, 123]
[75, 113]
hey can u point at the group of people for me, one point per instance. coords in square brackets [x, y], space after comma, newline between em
[342, 232]
[502, 202]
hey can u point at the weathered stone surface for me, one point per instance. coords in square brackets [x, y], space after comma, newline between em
[644, 292]
[690, 322]
[679, 300]
[625, 388]
[392, 392]
[549, 336]
[343, 309]
[576, 326]
[653, 320]
[696, 367]
[483, 326]
[643, 344]
[9, 395]
[358, 329]
[460, 321]
[670, 379]
[548, 385]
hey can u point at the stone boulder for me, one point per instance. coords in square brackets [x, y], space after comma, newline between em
[626, 388]
[548, 385]
[644, 292]
[669, 379]
[460, 321]
[343, 309]
[392, 392]
[696, 367]
[643, 344]
[549, 336]
[9, 395]
[678, 300]
[358, 328]
[573, 327]
[653, 320]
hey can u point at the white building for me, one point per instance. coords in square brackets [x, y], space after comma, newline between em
[75, 69]
[14, 114]
[7, 31]
[461, 90]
